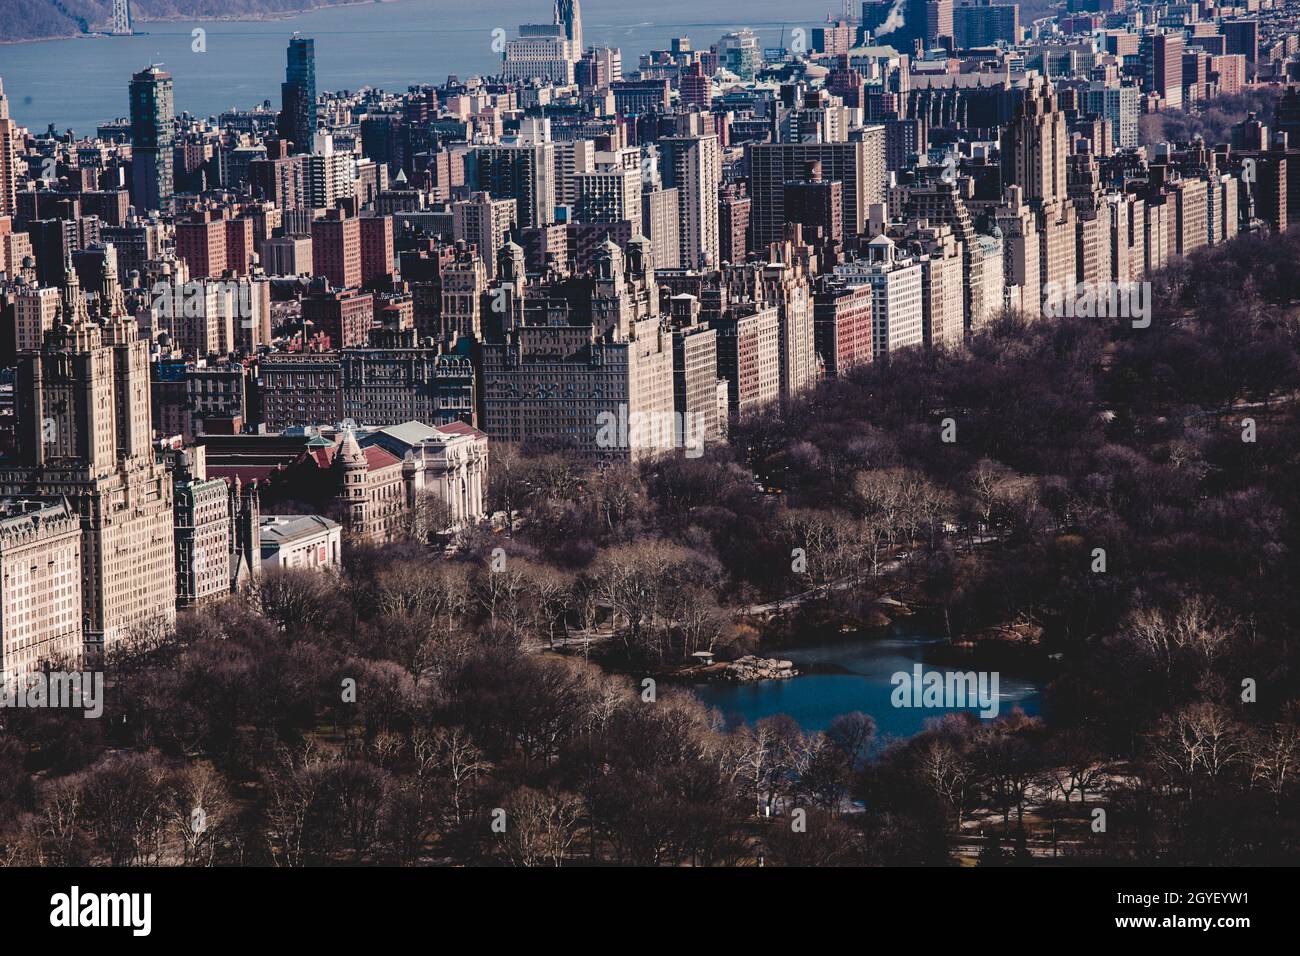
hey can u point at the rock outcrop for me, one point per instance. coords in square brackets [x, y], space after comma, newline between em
[749, 668]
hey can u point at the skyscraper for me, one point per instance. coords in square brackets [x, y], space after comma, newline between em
[153, 135]
[8, 158]
[1034, 146]
[858, 165]
[83, 403]
[522, 171]
[298, 112]
[568, 14]
[693, 166]
[1162, 65]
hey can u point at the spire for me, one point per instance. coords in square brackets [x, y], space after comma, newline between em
[568, 14]
[74, 304]
[350, 453]
[111, 303]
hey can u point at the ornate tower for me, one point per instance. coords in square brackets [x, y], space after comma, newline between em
[350, 469]
[85, 432]
[1035, 145]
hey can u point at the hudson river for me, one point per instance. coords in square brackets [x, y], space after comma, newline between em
[80, 83]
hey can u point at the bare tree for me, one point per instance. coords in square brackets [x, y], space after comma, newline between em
[200, 811]
[1200, 739]
[539, 827]
[450, 755]
[1274, 754]
[948, 773]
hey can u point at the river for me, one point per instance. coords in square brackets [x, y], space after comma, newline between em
[80, 83]
[841, 676]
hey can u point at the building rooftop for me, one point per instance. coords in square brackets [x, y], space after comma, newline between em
[281, 530]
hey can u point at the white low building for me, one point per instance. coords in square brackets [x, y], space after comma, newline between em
[455, 460]
[301, 541]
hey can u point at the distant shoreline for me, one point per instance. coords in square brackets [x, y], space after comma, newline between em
[242, 18]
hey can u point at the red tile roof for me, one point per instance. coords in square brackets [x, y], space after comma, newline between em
[376, 457]
[460, 428]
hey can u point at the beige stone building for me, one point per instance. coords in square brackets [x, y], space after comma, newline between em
[84, 434]
[40, 586]
[35, 312]
[605, 389]
[455, 465]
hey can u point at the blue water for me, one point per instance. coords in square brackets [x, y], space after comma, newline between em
[815, 699]
[80, 83]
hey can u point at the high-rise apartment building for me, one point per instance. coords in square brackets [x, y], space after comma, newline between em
[1242, 37]
[299, 389]
[749, 358]
[695, 369]
[1035, 145]
[858, 165]
[659, 223]
[693, 166]
[201, 243]
[984, 23]
[36, 310]
[696, 88]
[604, 390]
[329, 176]
[8, 159]
[843, 321]
[298, 109]
[153, 138]
[484, 222]
[896, 299]
[1162, 66]
[611, 193]
[376, 248]
[336, 250]
[204, 534]
[85, 433]
[1118, 105]
[396, 379]
[816, 204]
[346, 316]
[524, 172]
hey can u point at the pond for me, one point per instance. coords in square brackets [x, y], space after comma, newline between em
[841, 676]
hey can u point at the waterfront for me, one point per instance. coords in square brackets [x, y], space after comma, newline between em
[390, 45]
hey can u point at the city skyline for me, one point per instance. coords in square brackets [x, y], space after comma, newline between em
[874, 447]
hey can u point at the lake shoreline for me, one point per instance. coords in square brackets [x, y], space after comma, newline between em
[845, 673]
